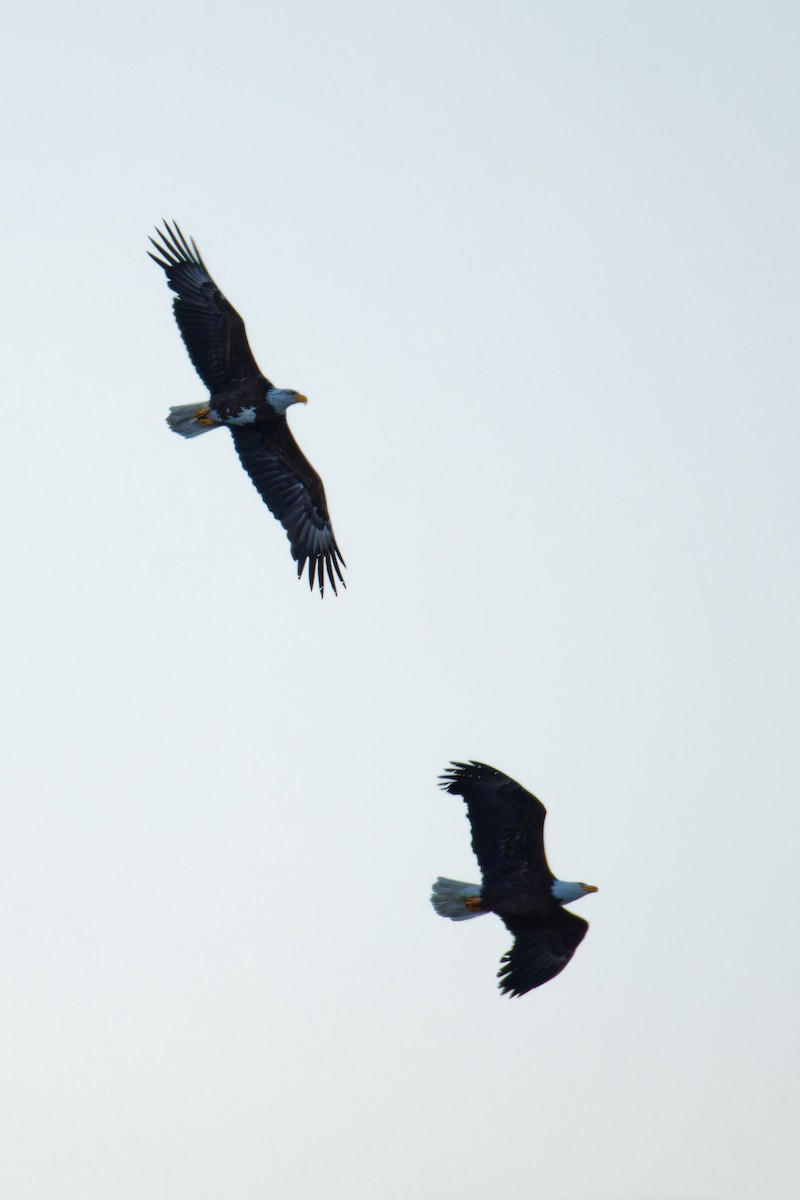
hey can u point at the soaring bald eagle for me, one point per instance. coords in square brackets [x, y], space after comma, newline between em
[249, 405]
[508, 840]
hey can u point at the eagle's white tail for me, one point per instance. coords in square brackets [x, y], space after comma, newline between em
[450, 896]
[183, 419]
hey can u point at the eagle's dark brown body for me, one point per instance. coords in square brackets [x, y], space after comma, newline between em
[249, 396]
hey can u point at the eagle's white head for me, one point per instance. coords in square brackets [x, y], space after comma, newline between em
[281, 398]
[565, 892]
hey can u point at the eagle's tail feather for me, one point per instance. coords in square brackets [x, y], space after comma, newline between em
[450, 896]
[185, 419]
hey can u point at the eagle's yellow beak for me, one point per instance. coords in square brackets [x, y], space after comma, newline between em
[588, 887]
[300, 399]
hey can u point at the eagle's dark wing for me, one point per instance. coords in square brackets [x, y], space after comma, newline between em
[210, 326]
[507, 826]
[542, 947]
[293, 491]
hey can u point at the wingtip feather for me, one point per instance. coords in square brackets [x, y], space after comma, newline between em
[452, 775]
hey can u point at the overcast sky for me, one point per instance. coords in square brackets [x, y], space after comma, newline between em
[536, 267]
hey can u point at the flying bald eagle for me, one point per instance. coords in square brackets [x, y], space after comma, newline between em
[508, 840]
[249, 405]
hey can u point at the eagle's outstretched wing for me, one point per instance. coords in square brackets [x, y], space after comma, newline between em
[293, 491]
[507, 825]
[543, 945]
[210, 326]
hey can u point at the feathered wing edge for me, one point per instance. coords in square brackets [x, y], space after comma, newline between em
[213, 332]
[175, 249]
[507, 823]
[328, 559]
[298, 503]
[543, 946]
[458, 775]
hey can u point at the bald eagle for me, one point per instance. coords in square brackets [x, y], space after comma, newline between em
[508, 840]
[245, 401]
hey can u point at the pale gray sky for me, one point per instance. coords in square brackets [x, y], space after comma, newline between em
[536, 267]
